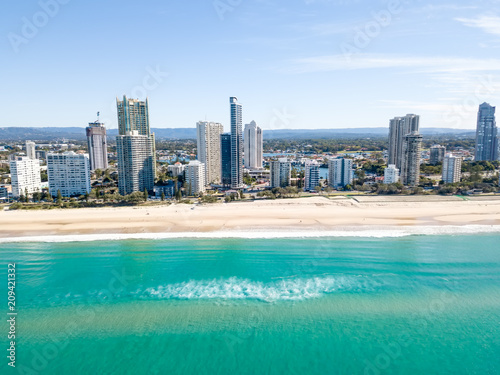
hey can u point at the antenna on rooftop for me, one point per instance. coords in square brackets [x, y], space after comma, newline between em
[98, 113]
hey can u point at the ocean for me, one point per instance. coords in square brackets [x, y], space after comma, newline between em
[365, 304]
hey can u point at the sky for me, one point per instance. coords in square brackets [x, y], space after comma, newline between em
[295, 64]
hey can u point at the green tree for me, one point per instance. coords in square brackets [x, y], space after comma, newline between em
[146, 195]
[162, 196]
[59, 197]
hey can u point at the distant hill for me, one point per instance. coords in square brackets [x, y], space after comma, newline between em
[75, 133]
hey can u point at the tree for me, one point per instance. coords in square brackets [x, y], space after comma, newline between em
[37, 196]
[59, 197]
[162, 196]
[146, 195]
[242, 196]
[178, 194]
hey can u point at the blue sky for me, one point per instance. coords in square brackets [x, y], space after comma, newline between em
[292, 64]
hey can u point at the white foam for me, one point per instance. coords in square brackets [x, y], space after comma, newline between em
[239, 289]
[359, 231]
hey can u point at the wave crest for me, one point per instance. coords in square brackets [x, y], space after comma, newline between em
[238, 289]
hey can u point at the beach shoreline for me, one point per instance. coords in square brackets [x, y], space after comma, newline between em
[315, 216]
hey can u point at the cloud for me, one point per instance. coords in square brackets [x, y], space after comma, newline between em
[489, 24]
[380, 61]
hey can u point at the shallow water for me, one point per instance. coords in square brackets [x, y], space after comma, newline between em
[408, 305]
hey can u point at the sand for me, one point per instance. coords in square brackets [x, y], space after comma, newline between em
[304, 214]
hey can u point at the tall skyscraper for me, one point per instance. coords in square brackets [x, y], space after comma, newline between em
[195, 177]
[25, 175]
[31, 150]
[225, 147]
[452, 169]
[486, 134]
[133, 121]
[253, 146]
[135, 163]
[412, 150]
[399, 127]
[437, 153]
[209, 149]
[236, 143]
[69, 173]
[98, 146]
[311, 175]
[133, 115]
[340, 172]
[281, 173]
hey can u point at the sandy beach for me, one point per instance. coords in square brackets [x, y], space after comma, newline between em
[305, 214]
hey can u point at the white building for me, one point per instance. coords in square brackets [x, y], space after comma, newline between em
[25, 175]
[281, 173]
[176, 169]
[391, 174]
[311, 175]
[195, 177]
[452, 169]
[31, 150]
[209, 149]
[340, 173]
[69, 173]
[253, 146]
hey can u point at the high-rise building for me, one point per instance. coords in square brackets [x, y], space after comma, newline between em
[311, 175]
[225, 147]
[209, 149]
[391, 174]
[98, 146]
[399, 127]
[25, 175]
[437, 153]
[281, 173]
[31, 150]
[135, 163]
[195, 177]
[340, 172]
[486, 134]
[133, 115]
[253, 146]
[133, 119]
[452, 169]
[412, 150]
[68, 173]
[236, 143]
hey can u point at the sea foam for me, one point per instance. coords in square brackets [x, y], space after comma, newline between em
[239, 289]
[358, 231]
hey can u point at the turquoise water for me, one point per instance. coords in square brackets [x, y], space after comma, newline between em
[412, 305]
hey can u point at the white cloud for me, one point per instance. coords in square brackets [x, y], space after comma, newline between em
[489, 24]
[379, 61]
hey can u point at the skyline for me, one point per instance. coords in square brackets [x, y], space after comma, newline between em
[299, 66]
